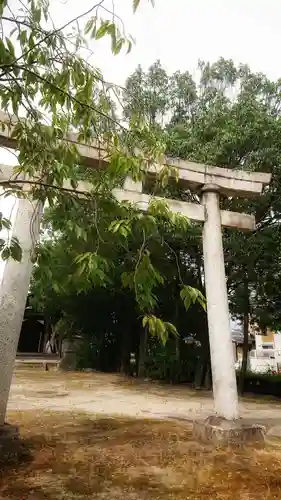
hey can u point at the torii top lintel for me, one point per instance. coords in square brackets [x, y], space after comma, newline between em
[190, 174]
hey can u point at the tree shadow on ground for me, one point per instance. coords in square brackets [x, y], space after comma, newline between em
[72, 456]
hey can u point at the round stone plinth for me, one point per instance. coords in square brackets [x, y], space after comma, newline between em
[222, 432]
[10, 445]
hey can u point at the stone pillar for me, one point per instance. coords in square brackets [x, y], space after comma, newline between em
[222, 358]
[13, 294]
[70, 349]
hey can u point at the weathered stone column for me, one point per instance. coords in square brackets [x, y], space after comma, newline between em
[13, 294]
[222, 358]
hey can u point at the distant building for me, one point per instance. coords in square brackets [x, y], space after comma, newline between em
[267, 353]
[238, 340]
[264, 348]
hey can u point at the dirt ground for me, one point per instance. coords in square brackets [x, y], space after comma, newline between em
[96, 436]
[114, 395]
[80, 457]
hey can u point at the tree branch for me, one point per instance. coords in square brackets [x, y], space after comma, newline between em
[45, 185]
[52, 33]
[82, 104]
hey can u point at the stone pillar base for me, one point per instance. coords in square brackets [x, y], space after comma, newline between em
[222, 432]
[11, 448]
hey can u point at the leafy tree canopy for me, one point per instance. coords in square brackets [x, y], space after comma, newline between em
[228, 117]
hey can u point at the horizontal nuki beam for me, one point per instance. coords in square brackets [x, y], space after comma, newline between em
[191, 175]
[192, 211]
[132, 193]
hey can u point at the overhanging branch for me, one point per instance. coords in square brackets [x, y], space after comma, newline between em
[13, 184]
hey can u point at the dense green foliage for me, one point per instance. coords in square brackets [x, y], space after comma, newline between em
[231, 119]
[107, 303]
[263, 383]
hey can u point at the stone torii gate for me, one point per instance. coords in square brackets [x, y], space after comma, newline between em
[211, 182]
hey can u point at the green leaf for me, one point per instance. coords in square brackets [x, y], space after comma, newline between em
[3, 4]
[37, 15]
[172, 329]
[23, 37]
[5, 253]
[135, 4]
[145, 321]
[122, 227]
[4, 223]
[89, 25]
[190, 295]
[81, 268]
[127, 280]
[15, 249]
[73, 183]
[118, 46]
[56, 287]
[114, 226]
[123, 231]
[103, 29]
[3, 51]
[130, 45]
[112, 31]
[94, 32]
[159, 328]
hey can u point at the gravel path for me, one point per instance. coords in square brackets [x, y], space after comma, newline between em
[116, 395]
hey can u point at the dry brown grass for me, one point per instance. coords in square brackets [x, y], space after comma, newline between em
[90, 380]
[79, 457]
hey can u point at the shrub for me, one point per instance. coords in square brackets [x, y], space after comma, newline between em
[263, 383]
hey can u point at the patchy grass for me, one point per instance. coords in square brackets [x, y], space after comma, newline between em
[77, 457]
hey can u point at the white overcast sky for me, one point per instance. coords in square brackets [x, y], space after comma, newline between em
[179, 32]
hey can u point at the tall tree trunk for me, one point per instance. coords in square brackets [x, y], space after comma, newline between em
[177, 365]
[177, 374]
[125, 354]
[47, 333]
[245, 336]
[142, 352]
[198, 374]
[198, 259]
[208, 376]
[205, 358]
